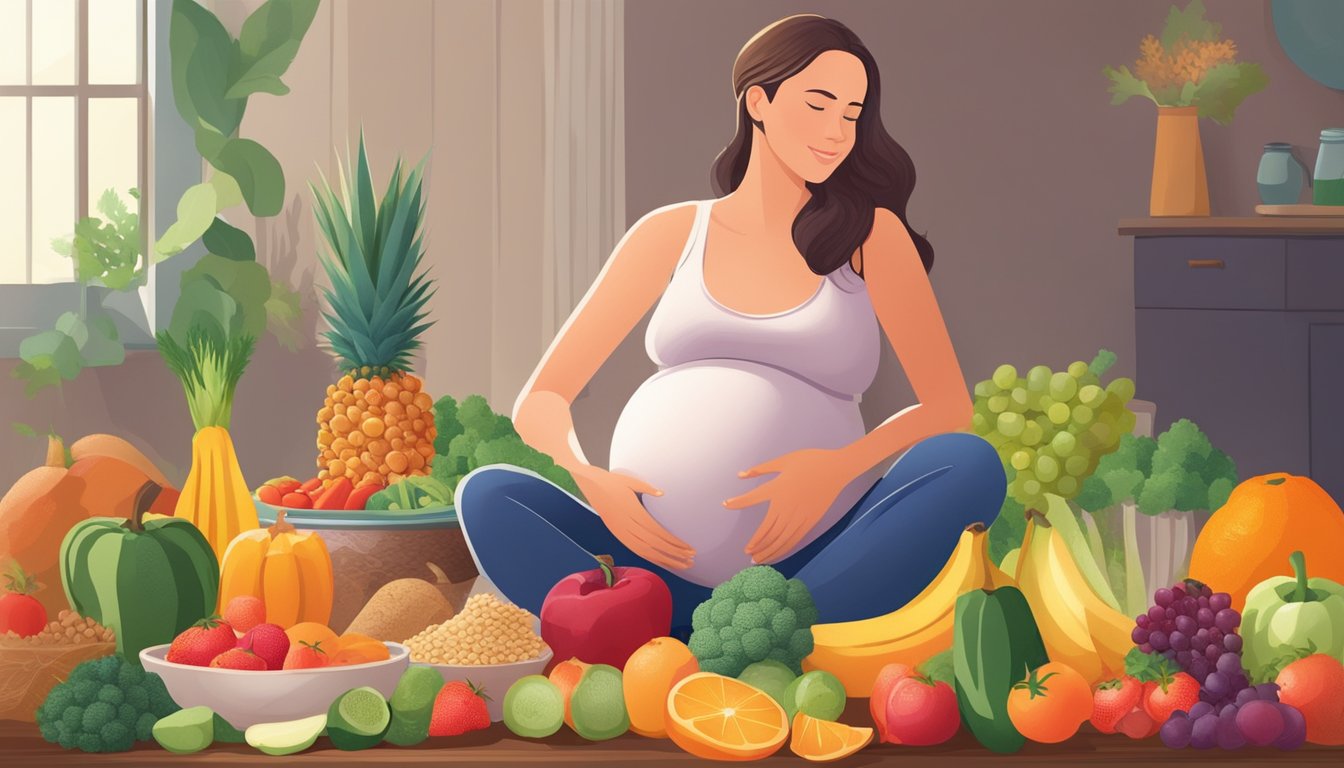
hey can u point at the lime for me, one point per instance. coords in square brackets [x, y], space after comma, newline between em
[412, 705]
[358, 719]
[598, 704]
[770, 676]
[534, 707]
[817, 694]
[186, 730]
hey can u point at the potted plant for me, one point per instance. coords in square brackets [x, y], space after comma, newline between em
[1189, 72]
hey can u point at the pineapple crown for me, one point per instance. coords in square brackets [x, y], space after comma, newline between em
[377, 296]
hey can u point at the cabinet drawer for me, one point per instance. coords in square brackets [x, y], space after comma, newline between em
[1209, 272]
[1316, 273]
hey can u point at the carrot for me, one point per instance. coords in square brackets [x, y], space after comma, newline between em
[335, 495]
[359, 498]
[287, 486]
[270, 494]
[297, 501]
[311, 485]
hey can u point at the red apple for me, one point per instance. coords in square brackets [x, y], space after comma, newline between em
[601, 616]
[887, 678]
[921, 712]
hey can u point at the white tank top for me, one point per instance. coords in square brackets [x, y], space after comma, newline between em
[737, 389]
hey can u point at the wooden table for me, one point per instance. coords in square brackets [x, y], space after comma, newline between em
[21, 745]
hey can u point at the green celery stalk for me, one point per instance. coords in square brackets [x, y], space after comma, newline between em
[1060, 516]
[1094, 542]
[1136, 594]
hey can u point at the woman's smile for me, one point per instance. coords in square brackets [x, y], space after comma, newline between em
[823, 156]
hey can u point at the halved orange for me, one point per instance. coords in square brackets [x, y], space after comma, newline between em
[566, 676]
[720, 718]
[823, 741]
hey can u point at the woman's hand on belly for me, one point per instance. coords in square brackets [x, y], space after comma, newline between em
[612, 496]
[805, 485]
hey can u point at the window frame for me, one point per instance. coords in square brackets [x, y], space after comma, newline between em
[168, 165]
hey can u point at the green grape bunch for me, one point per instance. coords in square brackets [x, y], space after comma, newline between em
[1051, 428]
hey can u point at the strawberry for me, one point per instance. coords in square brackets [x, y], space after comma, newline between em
[237, 658]
[1169, 694]
[269, 642]
[1137, 724]
[459, 708]
[305, 655]
[244, 612]
[199, 644]
[1113, 700]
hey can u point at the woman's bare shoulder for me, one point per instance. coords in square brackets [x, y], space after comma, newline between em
[659, 236]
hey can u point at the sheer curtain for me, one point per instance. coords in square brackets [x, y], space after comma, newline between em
[584, 177]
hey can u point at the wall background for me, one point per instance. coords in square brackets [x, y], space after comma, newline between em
[1024, 171]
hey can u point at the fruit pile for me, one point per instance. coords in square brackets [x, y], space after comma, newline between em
[242, 639]
[1191, 625]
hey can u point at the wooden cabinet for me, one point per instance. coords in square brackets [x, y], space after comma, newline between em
[1239, 326]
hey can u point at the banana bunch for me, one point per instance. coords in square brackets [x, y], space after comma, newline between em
[1078, 627]
[854, 651]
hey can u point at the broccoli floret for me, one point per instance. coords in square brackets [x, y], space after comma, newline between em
[475, 415]
[1219, 490]
[1007, 530]
[757, 614]
[509, 449]
[462, 451]
[446, 424]
[1159, 493]
[104, 705]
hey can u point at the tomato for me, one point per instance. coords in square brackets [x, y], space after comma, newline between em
[1050, 704]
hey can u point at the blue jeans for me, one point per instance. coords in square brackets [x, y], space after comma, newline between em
[526, 533]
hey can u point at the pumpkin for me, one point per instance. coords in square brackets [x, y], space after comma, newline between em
[37, 512]
[146, 581]
[1265, 520]
[996, 642]
[117, 448]
[289, 569]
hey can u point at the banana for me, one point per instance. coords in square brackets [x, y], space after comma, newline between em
[857, 666]
[1079, 628]
[965, 570]
[1054, 603]
[855, 651]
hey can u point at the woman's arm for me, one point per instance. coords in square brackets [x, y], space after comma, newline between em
[908, 312]
[629, 284]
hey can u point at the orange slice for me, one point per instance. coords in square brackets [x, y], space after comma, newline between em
[719, 718]
[312, 632]
[823, 741]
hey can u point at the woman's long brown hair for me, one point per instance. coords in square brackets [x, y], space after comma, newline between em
[878, 173]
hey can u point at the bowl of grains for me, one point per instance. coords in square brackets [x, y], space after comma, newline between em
[32, 666]
[489, 643]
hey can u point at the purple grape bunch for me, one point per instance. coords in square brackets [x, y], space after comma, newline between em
[1196, 628]
[1254, 718]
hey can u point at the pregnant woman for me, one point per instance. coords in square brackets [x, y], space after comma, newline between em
[747, 446]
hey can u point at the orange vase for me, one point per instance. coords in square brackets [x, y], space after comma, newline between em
[1180, 186]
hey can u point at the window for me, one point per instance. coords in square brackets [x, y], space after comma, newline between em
[73, 125]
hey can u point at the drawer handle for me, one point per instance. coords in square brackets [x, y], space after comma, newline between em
[1204, 263]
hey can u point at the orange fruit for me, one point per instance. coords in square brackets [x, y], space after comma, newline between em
[359, 652]
[312, 632]
[352, 638]
[720, 718]
[823, 741]
[566, 676]
[649, 674]
[1266, 519]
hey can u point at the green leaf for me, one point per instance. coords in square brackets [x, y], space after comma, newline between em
[72, 325]
[52, 349]
[1225, 86]
[227, 193]
[195, 212]
[246, 283]
[103, 345]
[267, 45]
[23, 430]
[202, 58]
[1187, 94]
[1125, 85]
[202, 305]
[35, 379]
[1188, 24]
[224, 239]
[283, 313]
[258, 173]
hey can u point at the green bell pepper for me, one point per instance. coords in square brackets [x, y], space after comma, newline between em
[1287, 617]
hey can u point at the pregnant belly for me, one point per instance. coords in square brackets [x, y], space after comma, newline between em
[690, 429]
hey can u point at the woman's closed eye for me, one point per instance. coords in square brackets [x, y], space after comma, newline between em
[823, 109]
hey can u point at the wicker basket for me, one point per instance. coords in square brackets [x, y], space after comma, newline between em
[30, 670]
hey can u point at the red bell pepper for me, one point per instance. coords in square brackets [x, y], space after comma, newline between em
[601, 616]
[335, 495]
[359, 498]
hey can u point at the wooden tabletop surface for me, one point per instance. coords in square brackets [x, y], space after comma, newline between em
[21, 745]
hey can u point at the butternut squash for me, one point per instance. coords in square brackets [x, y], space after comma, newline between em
[288, 569]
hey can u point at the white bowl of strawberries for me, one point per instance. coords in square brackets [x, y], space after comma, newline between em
[263, 677]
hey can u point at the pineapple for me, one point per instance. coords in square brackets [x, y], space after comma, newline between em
[377, 422]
